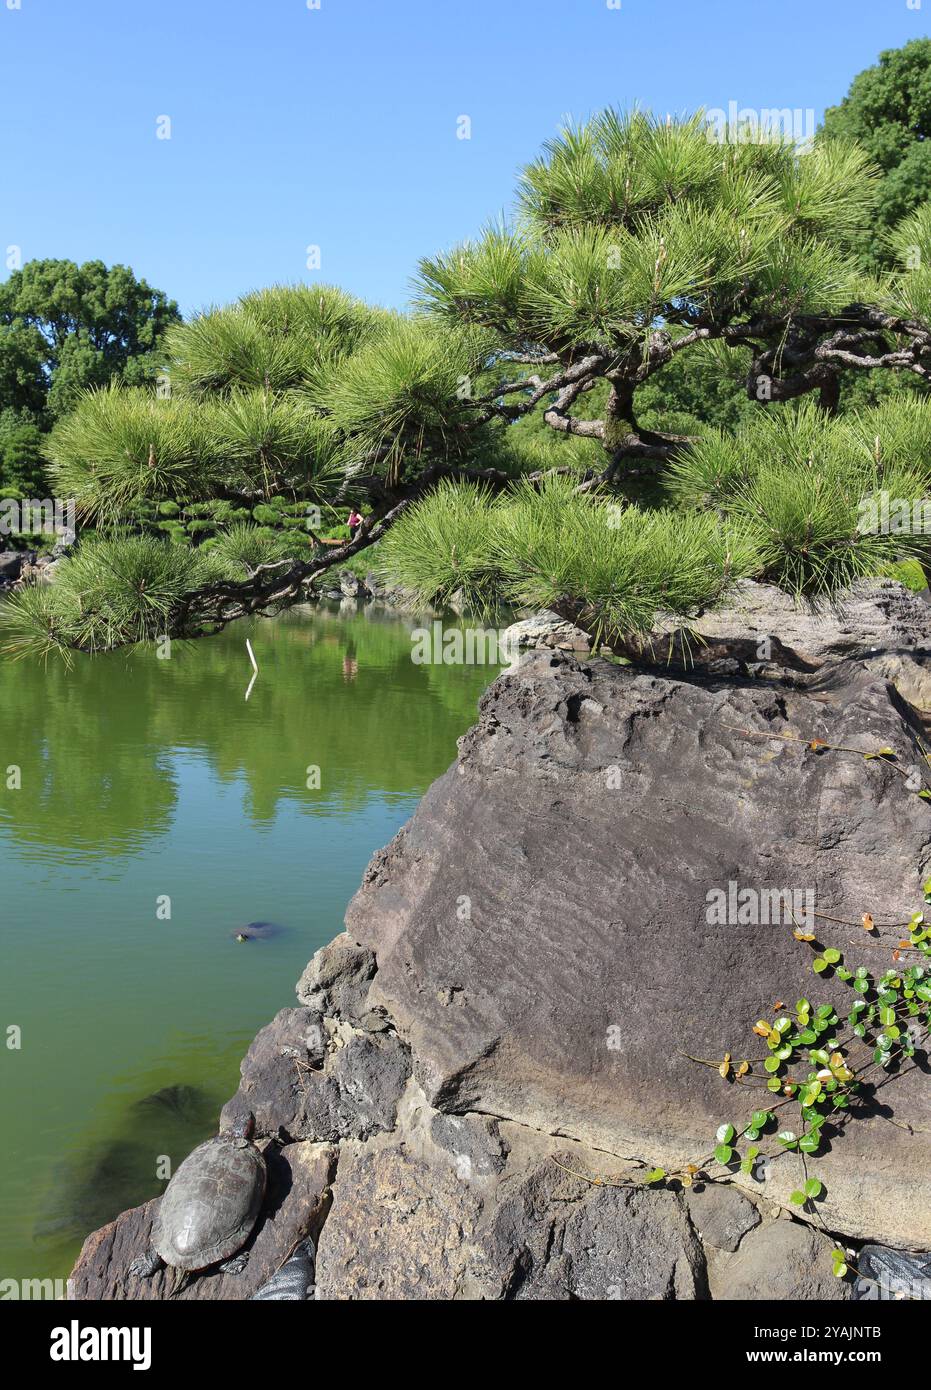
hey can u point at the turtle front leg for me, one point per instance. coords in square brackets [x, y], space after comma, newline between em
[146, 1264]
[234, 1265]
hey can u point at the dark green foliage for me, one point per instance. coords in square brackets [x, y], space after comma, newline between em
[65, 327]
[22, 463]
[888, 112]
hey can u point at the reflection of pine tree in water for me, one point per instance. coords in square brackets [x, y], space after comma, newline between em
[98, 744]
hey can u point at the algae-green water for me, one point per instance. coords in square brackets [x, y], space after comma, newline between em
[148, 810]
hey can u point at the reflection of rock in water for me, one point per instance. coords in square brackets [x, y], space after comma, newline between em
[92, 1187]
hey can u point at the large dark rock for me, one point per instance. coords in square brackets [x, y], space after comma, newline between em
[542, 928]
[337, 979]
[300, 1085]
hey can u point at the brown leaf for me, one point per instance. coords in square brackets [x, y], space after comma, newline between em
[867, 922]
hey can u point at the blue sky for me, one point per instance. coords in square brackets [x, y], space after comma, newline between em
[337, 126]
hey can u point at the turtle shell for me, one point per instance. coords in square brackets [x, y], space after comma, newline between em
[211, 1204]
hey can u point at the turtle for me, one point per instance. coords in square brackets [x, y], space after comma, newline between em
[208, 1210]
[256, 931]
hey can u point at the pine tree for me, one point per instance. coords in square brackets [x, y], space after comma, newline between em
[635, 244]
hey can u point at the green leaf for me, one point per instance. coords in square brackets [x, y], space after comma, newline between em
[832, 957]
[724, 1153]
[819, 965]
[798, 1198]
[725, 1134]
[813, 1188]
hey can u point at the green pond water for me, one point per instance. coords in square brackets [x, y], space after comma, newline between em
[145, 779]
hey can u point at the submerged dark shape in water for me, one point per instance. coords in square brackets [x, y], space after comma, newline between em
[257, 931]
[187, 1102]
[94, 1184]
[92, 1187]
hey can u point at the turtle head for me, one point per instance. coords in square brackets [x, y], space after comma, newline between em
[242, 1128]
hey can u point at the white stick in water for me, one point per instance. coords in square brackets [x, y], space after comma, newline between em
[255, 667]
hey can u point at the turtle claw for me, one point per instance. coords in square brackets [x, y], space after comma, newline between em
[235, 1265]
[145, 1265]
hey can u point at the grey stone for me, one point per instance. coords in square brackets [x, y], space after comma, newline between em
[358, 1093]
[558, 1237]
[474, 1140]
[399, 1228]
[720, 1214]
[546, 629]
[352, 586]
[11, 563]
[276, 1070]
[781, 1260]
[336, 982]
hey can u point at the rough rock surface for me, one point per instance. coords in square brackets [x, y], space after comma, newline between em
[780, 1260]
[879, 621]
[298, 1087]
[544, 1234]
[12, 562]
[721, 1215]
[546, 629]
[337, 979]
[542, 927]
